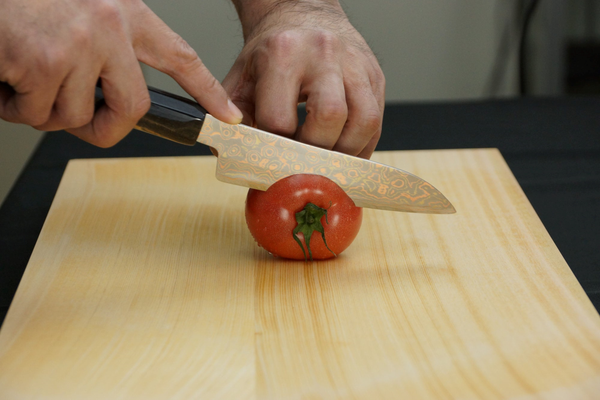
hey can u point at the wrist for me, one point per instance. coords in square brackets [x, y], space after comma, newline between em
[259, 15]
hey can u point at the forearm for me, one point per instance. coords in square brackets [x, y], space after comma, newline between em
[252, 13]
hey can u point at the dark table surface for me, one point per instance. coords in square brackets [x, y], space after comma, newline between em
[551, 145]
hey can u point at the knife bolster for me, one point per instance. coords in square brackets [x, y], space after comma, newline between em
[170, 125]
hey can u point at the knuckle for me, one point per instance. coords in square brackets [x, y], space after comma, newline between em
[282, 43]
[105, 140]
[183, 58]
[107, 136]
[327, 39]
[50, 61]
[206, 80]
[32, 119]
[82, 36]
[379, 80]
[374, 138]
[332, 112]
[107, 11]
[78, 119]
[263, 58]
[377, 135]
[66, 118]
[279, 50]
[41, 61]
[280, 125]
[141, 105]
[327, 42]
[211, 84]
[371, 122]
[380, 77]
[32, 113]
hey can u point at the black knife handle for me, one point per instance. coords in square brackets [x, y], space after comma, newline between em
[170, 116]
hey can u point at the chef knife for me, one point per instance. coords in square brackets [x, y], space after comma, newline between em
[254, 158]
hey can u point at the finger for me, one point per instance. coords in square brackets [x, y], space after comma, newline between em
[29, 102]
[126, 101]
[378, 85]
[377, 80]
[74, 104]
[240, 88]
[159, 47]
[326, 112]
[276, 101]
[367, 152]
[364, 119]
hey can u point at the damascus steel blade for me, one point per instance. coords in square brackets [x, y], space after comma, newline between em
[257, 159]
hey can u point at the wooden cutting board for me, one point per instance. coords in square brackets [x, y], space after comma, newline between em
[146, 284]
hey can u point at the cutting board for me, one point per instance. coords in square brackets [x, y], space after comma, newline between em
[146, 284]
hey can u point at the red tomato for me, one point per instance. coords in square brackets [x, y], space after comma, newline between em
[272, 217]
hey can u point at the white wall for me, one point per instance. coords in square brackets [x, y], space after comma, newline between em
[433, 49]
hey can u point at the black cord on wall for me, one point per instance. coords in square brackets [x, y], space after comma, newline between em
[590, 19]
[529, 11]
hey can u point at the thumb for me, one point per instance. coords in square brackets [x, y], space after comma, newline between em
[156, 45]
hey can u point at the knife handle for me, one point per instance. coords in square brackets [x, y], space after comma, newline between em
[170, 116]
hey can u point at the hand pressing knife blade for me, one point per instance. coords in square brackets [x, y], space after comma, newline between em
[254, 158]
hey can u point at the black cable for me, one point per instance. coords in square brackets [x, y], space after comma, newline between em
[522, 46]
[498, 71]
[590, 19]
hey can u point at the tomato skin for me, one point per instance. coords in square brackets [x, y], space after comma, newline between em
[271, 216]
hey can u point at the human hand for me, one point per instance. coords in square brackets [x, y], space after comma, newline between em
[52, 53]
[308, 52]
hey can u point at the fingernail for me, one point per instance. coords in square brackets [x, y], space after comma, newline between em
[238, 114]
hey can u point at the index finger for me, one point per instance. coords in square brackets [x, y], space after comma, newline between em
[160, 47]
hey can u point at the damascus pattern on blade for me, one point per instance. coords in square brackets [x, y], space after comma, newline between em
[257, 159]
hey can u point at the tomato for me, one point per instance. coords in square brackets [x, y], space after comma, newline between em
[319, 204]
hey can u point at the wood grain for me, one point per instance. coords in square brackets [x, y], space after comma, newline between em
[145, 284]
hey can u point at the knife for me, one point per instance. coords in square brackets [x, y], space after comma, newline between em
[254, 158]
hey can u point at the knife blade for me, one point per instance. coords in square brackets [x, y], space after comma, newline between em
[257, 159]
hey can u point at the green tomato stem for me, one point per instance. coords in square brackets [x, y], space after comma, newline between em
[309, 221]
